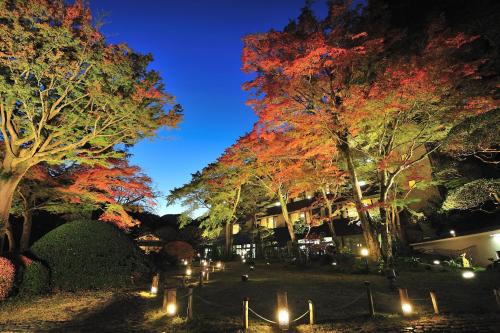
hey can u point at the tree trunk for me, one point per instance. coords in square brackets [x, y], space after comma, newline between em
[229, 240]
[24, 245]
[7, 189]
[329, 208]
[369, 232]
[284, 212]
[386, 236]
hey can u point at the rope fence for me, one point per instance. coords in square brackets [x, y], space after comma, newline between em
[283, 320]
[261, 317]
[301, 316]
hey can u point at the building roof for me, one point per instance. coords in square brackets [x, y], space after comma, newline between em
[489, 230]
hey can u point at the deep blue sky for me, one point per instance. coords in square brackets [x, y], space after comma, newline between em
[196, 46]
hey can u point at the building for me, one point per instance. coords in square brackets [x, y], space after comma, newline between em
[481, 247]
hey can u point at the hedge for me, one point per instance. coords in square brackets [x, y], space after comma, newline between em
[90, 255]
[36, 279]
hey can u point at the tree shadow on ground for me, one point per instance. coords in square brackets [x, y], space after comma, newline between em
[124, 313]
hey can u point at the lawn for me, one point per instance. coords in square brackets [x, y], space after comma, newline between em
[218, 304]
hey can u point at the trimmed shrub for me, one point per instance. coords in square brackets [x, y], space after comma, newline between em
[36, 279]
[179, 250]
[7, 274]
[90, 255]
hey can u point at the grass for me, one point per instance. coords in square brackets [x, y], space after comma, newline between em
[218, 304]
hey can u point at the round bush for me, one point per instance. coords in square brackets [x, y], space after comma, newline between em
[7, 272]
[179, 250]
[36, 279]
[89, 255]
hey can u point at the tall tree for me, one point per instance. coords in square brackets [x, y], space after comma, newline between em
[66, 94]
[304, 73]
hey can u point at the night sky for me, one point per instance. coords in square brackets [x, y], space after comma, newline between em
[197, 47]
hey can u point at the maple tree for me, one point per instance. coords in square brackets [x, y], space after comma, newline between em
[353, 82]
[66, 94]
[304, 72]
[114, 189]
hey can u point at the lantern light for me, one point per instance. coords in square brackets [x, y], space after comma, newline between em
[218, 265]
[365, 252]
[188, 271]
[171, 309]
[468, 275]
[283, 318]
[243, 260]
[334, 263]
[407, 308]
[436, 262]
[452, 232]
[205, 263]
[154, 290]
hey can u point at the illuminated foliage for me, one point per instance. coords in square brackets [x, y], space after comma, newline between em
[473, 195]
[66, 94]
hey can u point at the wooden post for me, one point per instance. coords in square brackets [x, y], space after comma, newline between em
[496, 292]
[283, 313]
[371, 308]
[311, 313]
[201, 278]
[434, 302]
[403, 295]
[245, 313]
[155, 283]
[190, 304]
[170, 302]
[405, 301]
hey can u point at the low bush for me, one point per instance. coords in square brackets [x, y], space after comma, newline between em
[7, 275]
[90, 255]
[35, 280]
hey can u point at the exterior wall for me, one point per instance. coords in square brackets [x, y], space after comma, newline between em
[480, 246]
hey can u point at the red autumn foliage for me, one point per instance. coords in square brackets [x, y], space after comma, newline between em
[116, 187]
[7, 271]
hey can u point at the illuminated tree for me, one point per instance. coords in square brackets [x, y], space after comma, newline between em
[66, 94]
[476, 137]
[115, 190]
[217, 191]
[375, 93]
[304, 73]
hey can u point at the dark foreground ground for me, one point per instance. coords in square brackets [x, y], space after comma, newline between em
[340, 304]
